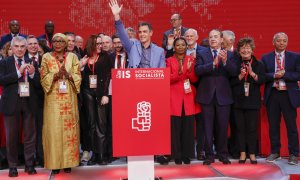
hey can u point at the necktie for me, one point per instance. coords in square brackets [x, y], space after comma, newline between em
[34, 59]
[215, 53]
[278, 62]
[21, 79]
[119, 61]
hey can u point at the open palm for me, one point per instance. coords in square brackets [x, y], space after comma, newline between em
[115, 8]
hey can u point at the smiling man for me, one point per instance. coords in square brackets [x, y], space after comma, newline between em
[142, 53]
[215, 66]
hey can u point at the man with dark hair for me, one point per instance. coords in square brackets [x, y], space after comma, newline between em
[14, 27]
[215, 66]
[176, 31]
[142, 53]
[49, 31]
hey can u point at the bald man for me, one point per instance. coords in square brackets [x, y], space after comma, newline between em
[14, 28]
[49, 31]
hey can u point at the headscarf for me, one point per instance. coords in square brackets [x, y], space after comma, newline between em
[64, 37]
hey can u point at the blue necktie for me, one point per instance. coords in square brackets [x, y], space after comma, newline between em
[21, 79]
[215, 53]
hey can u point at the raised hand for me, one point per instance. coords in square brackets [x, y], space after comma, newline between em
[115, 9]
[83, 61]
[223, 56]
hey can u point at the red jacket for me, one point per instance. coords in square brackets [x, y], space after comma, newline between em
[178, 96]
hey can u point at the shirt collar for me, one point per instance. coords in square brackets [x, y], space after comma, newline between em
[16, 58]
[282, 53]
[12, 35]
[36, 56]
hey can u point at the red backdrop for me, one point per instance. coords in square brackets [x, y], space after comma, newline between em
[256, 18]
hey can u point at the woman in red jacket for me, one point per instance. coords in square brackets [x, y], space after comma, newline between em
[183, 105]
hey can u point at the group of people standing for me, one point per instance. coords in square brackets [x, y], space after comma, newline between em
[207, 85]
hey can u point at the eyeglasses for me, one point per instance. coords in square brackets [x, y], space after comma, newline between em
[58, 42]
[173, 20]
[246, 48]
[100, 43]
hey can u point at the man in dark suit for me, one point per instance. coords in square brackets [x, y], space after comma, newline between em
[49, 31]
[32, 53]
[282, 96]
[214, 67]
[14, 27]
[18, 76]
[176, 31]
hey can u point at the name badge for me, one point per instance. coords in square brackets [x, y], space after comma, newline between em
[246, 88]
[187, 86]
[63, 86]
[281, 85]
[93, 81]
[24, 89]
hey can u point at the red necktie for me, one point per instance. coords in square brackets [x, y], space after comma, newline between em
[119, 61]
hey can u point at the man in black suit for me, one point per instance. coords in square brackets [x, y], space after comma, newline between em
[176, 31]
[18, 76]
[14, 27]
[282, 96]
[215, 66]
[49, 31]
[119, 60]
[32, 53]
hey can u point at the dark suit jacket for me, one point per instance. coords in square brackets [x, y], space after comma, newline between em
[291, 76]
[9, 81]
[113, 59]
[6, 38]
[103, 72]
[167, 33]
[253, 101]
[214, 81]
[170, 53]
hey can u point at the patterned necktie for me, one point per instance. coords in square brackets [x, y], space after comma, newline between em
[215, 53]
[21, 79]
[278, 62]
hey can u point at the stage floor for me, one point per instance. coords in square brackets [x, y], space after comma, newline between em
[118, 170]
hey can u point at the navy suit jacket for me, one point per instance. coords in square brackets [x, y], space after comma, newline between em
[214, 80]
[9, 81]
[133, 48]
[291, 76]
[171, 31]
[6, 38]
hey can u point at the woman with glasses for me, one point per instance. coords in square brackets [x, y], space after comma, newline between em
[183, 105]
[60, 79]
[247, 98]
[95, 81]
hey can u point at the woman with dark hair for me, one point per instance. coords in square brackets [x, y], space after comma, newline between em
[95, 81]
[247, 98]
[183, 105]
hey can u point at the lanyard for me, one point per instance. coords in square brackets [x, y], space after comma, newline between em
[24, 73]
[124, 61]
[93, 70]
[247, 72]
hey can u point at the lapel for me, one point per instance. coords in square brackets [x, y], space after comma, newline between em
[209, 55]
[287, 60]
[139, 48]
[272, 61]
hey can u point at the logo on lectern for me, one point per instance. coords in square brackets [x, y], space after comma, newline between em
[123, 74]
[143, 120]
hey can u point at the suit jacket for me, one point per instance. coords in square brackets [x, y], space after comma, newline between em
[291, 76]
[103, 72]
[214, 80]
[113, 60]
[253, 101]
[177, 94]
[9, 81]
[133, 48]
[170, 52]
[6, 38]
[171, 31]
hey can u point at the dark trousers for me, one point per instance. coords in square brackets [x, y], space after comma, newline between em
[109, 128]
[11, 124]
[200, 134]
[182, 136]
[278, 103]
[218, 116]
[246, 123]
[84, 128]
[39, 128]
[233, 145]
[96, 116]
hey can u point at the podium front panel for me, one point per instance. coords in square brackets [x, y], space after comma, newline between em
[141, 111]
